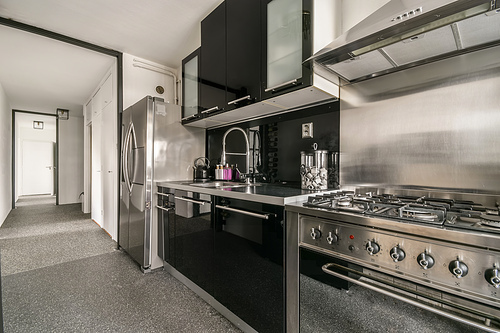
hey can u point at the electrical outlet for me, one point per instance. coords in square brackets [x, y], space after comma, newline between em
[307, 131]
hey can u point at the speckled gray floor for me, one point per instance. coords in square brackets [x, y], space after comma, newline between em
[30, 200]
[62, 273]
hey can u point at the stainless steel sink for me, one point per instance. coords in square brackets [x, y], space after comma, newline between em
[223, 184]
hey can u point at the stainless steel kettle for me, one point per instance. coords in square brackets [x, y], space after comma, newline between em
[201, 169]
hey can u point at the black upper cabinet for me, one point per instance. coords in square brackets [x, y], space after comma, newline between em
[287, 42]
[213, 61]
[190, 86]
[243, 52]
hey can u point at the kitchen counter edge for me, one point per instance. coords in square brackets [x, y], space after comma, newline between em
[274, 194]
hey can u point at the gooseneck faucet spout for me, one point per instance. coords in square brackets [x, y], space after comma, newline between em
[247, 153]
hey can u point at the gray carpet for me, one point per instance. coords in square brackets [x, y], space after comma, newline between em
[62, 273]
[30, 200]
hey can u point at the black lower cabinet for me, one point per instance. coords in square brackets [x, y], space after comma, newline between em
[248, 262]
[194, 238]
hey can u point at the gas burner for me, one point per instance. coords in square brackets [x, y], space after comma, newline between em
[407, 212]
[490, 221]
[414, 209]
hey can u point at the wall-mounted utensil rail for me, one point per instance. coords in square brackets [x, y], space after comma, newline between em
[264, 216]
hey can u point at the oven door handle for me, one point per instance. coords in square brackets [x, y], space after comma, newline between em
[167, 209]
[378, 289]
[199, 202]
[264, 216]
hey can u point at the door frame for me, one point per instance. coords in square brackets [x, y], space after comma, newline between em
[56, 157]
[86, 45]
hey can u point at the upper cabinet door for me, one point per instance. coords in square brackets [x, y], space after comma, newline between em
[213, 62]
[190, 86]
[243, 34]
[287, 43]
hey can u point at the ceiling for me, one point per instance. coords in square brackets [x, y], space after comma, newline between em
[41, 74]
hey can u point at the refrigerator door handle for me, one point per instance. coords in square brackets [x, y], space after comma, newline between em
[125, 159]
[133, 139]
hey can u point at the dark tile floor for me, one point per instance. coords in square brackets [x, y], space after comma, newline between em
[62, 273]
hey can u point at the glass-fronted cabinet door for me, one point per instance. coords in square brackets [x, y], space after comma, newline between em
[190, 86]
[287, 42]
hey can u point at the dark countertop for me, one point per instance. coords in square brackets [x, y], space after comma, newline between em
[275, 194]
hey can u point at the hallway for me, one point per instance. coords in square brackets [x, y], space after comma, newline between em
[62, 273]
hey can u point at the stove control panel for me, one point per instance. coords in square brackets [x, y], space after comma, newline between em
[455, 268]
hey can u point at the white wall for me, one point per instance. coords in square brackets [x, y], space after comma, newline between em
[139, 82]
[5, 156]
[71, 159]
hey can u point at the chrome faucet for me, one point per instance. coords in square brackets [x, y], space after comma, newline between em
[247, 153]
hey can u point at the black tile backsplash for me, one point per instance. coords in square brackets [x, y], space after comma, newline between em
[281, 141]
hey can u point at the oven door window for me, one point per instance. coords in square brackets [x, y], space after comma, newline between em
[333, 304]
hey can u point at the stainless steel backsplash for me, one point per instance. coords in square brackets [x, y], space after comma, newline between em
[435, 126]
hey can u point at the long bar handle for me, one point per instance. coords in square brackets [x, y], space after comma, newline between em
[125, 170]
[215, 108]
[238, 154]
[199, 202]
[163, 208]
[326, 267]
[282, 85]
[190, 117]
[239, 100]
[264, 216]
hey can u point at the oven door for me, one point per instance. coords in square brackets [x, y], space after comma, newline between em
[347, 298]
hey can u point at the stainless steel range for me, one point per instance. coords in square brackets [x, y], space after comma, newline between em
[441, 254]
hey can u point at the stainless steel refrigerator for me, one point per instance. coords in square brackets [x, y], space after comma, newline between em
[155, 147]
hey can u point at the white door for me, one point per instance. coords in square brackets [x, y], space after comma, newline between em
[96, 210]
[38, 167]
[109, 173]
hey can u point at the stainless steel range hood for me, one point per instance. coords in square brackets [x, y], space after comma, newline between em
[408, 33]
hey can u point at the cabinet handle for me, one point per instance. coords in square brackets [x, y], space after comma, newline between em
[282, 85]
[189, 117]
[199, 202]
[264, 216]
[215, 108]
[239, 100]
[163, 208]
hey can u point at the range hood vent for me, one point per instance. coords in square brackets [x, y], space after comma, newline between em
[404, 34]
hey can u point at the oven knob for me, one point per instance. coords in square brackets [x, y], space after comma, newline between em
[492, 275]
[332, 238]
[425, 261]
[458, 268]
[397, 254]
[372, 248]
[315, 233]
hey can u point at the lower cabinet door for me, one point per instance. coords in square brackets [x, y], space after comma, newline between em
[194, 238]
[248, 262]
